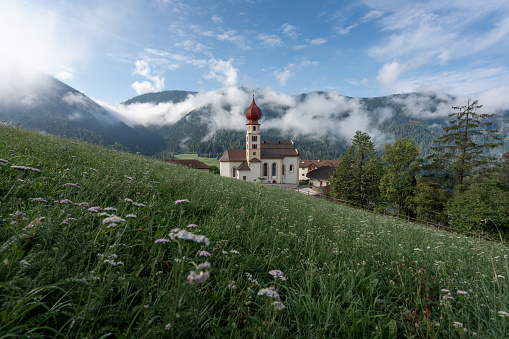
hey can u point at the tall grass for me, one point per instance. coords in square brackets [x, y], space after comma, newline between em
[66, 271]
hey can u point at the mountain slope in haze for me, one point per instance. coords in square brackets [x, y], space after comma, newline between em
[48, 105]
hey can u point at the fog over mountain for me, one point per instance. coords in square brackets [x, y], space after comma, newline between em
[197, 121]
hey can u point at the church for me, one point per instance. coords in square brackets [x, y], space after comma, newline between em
[271, 162]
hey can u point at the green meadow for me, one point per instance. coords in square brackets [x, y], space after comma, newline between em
[98, 243]
[206, 161]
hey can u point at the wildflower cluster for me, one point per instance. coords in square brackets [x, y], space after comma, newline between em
[271, 293]
[177, 233]
[250, 278]
[277, 274]
[25, 168]
[72, 185]
[200, 275]
[181, 201]
[37, 199]
[138, 204]
[113, 221]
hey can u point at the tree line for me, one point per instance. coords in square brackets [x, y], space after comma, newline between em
[459, 184]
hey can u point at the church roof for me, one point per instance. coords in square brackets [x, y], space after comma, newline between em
[244, 167]
[318, 163]
[234, 155]
[269, 150]
[278, 149]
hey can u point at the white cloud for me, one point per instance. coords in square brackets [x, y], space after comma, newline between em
[390, 73]
[155, 83]
[442, 30]
[223, 72]
[270, 40]
[346, 30]
[290, 30]
[318, 41]
[64, 76]
[217, 19]
[75, 98]
[494, 100]
[371, 15]
[284, 75]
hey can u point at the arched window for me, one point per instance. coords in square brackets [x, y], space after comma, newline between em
[265, 170]
[291, 168]
[234, 172]
[274, 169]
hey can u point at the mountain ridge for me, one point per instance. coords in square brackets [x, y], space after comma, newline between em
[209, 123]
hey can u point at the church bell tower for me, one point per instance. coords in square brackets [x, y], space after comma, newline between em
[253, 137]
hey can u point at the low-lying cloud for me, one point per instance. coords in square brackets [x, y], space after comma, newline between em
[316, 115]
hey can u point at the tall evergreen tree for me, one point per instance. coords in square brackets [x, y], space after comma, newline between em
[357, 177]
[402, 163]
[461, 150]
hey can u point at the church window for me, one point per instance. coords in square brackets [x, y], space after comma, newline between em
[234, 172]
[291, 168]
[254, 128]
[254, 138]
[274, 169]
[265, 170]
[254, 153]
[255, 146]
[283, 170]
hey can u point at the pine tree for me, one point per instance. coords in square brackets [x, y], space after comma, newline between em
[358, 174]
[461, 150]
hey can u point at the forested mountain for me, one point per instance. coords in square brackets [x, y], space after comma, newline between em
[320, 123]
[415, 116]
[45, 104]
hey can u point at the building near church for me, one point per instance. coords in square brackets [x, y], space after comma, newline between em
[191, 163]
[274, 162]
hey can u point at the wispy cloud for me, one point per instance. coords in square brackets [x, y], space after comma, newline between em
[270, 40]
[345, 30]
[285, 74]
[318, 41]
[290, 30]
[290, 69]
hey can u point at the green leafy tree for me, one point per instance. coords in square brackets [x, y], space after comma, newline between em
[357, 177]
[428, 200]
[481, 204]
[214, 169]
[402, 164]
[461, 150]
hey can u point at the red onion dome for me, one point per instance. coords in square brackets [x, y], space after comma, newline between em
[253, 113]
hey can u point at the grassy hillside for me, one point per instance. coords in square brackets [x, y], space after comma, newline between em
[86, 251]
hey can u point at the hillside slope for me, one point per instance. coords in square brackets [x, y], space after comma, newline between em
[89, 247]
[48, 105]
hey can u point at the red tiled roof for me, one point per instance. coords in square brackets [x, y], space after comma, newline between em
[191, 163]
[278, 149]
[234, 155]
[244, 167]
[324, 172]
[318, 163]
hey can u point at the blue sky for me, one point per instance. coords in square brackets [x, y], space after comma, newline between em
[114, 50]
